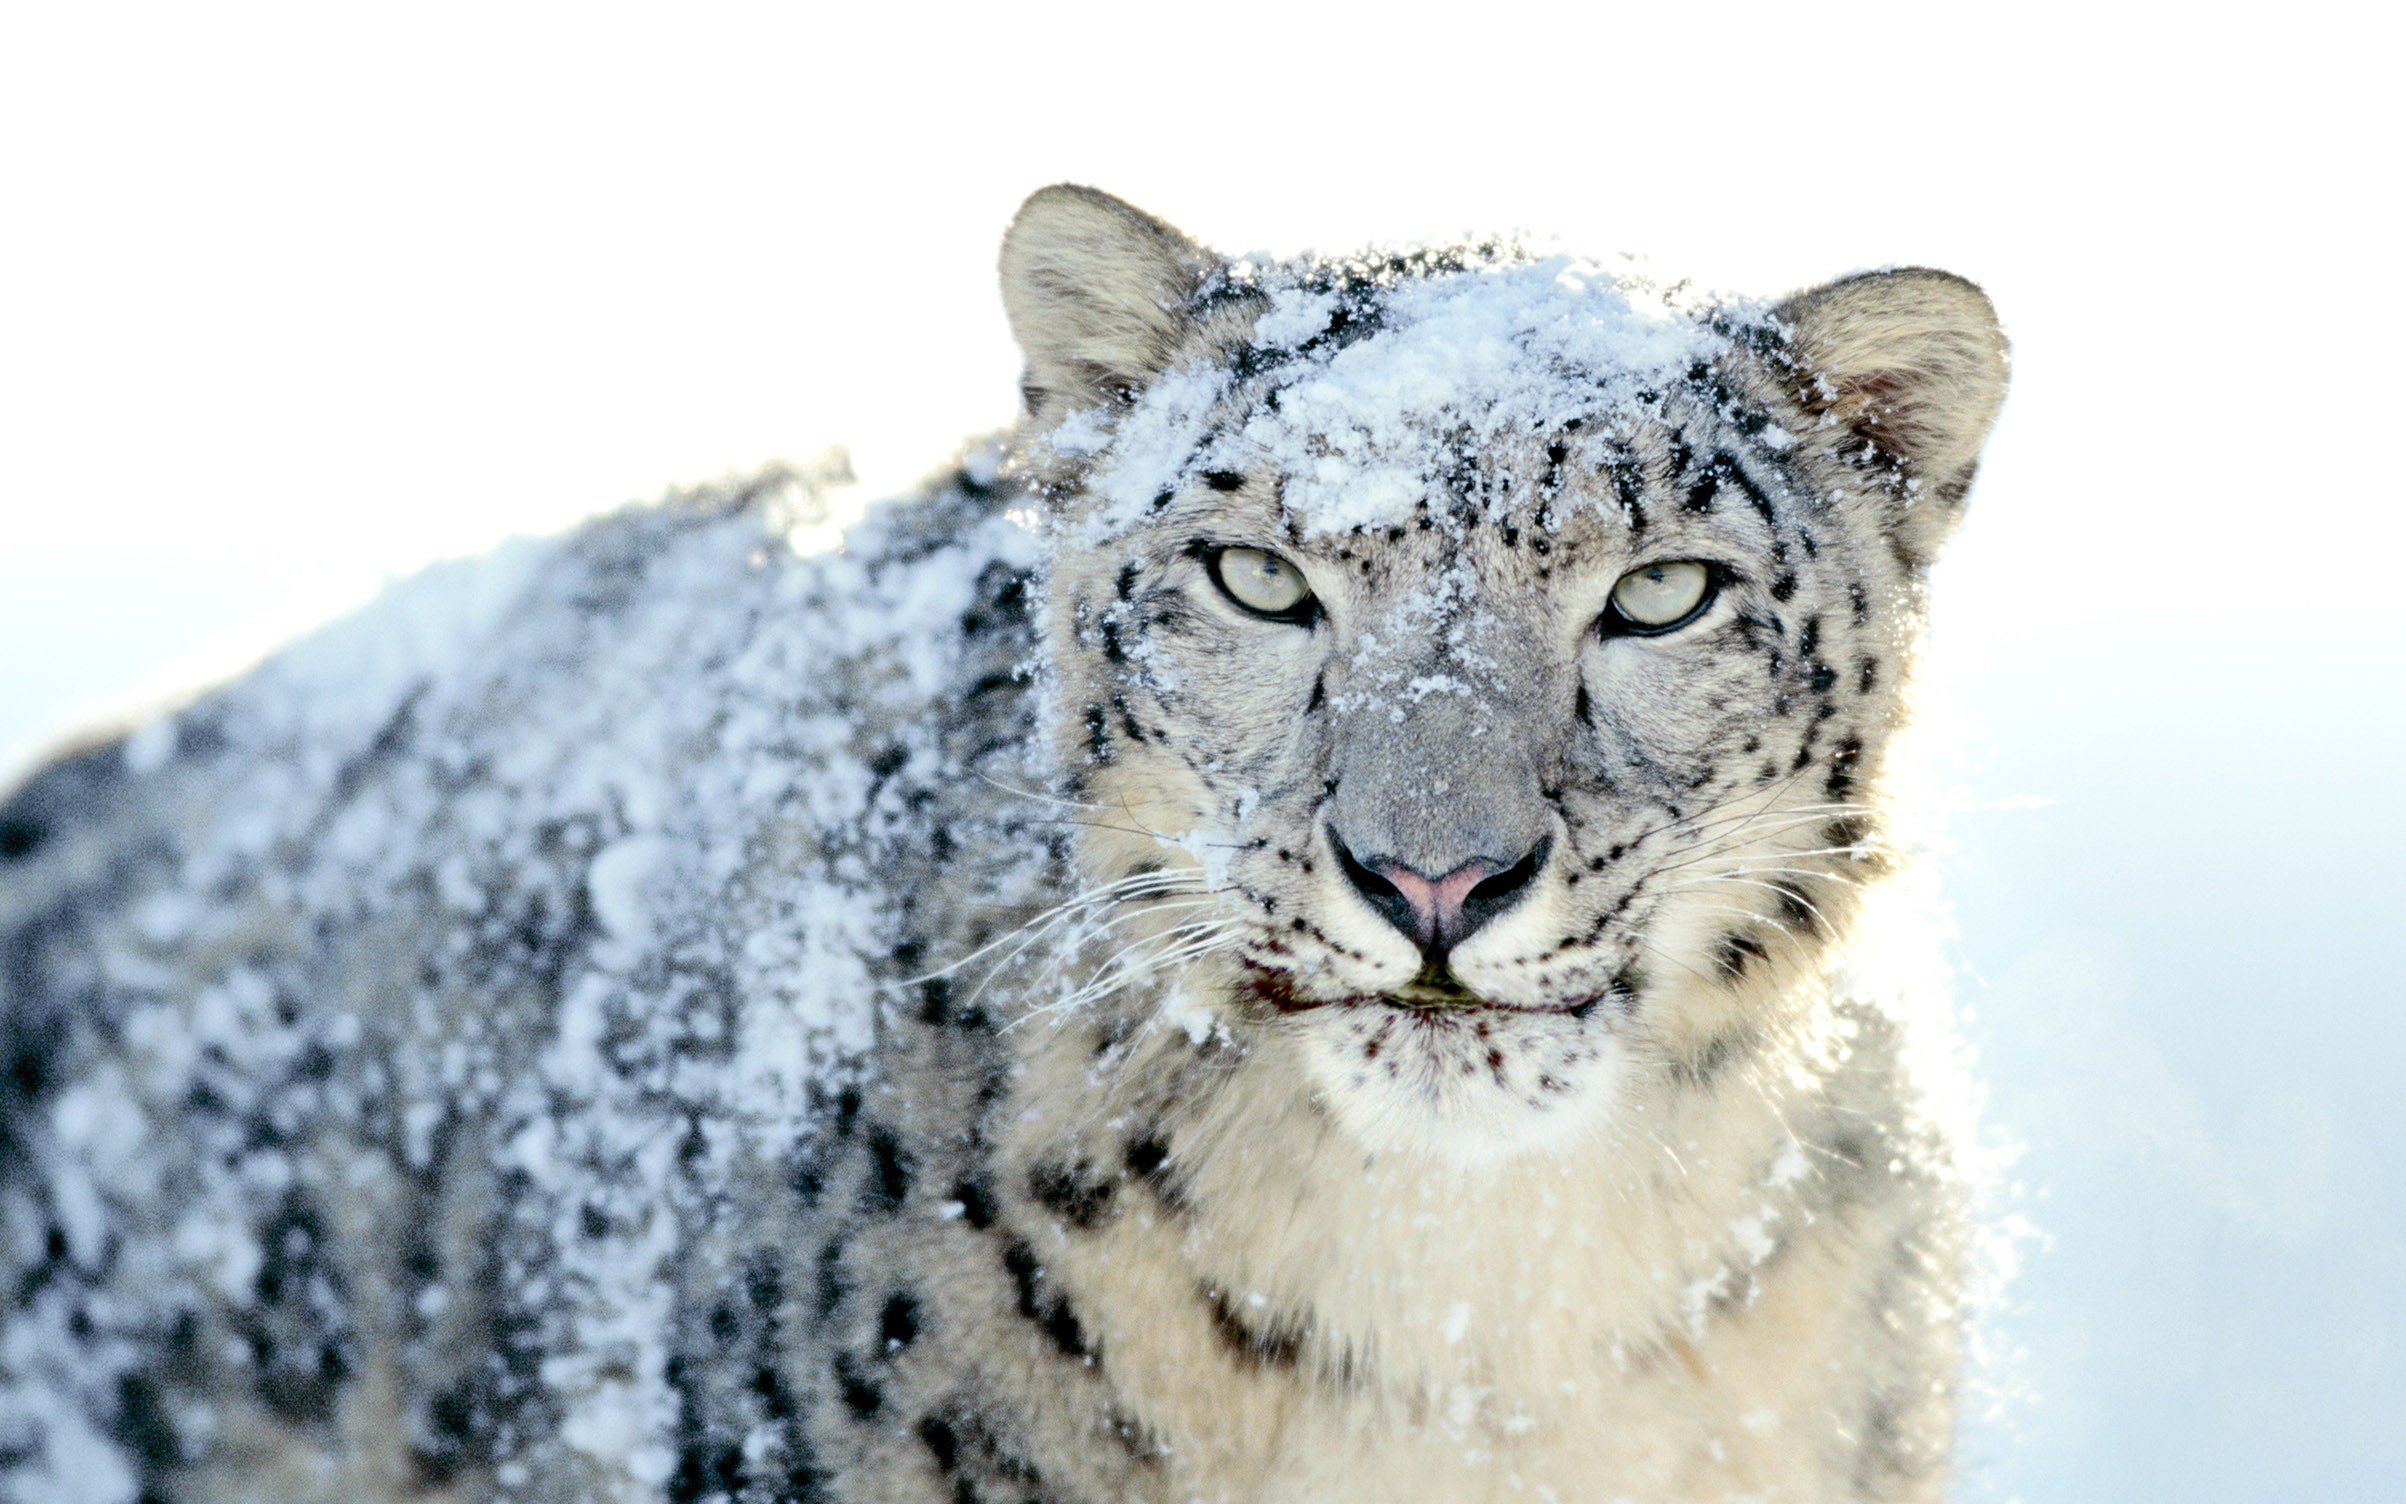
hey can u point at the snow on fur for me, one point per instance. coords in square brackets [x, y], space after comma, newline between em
[1361, 428]
[566, 760]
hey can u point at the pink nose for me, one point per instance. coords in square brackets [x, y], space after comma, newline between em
[1439, 913]
[1436, 903]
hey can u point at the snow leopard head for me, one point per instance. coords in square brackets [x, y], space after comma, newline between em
[1479, 665]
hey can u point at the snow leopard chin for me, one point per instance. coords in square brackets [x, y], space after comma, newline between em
[1468, 1087]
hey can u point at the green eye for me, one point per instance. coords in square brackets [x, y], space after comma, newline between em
[1262, 583]
[1658, 598]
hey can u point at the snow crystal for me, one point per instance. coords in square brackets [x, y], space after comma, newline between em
[1789, 1167]
[1752, 1237]
[150, 745]
[1457, 1323]
[1296, 314]
[74, 1461]
[1696, 1299]
[618, 883]
[1190, 1014]
[1212, 848]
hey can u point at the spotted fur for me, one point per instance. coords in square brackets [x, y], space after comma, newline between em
[1161, 1158]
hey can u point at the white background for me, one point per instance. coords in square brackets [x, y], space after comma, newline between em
[292, 300]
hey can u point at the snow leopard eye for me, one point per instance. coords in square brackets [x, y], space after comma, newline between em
[1262, 583]
[1658, 598]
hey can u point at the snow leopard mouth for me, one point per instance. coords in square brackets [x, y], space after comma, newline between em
[1434, 995]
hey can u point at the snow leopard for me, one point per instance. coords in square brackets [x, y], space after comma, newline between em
[1302, 927]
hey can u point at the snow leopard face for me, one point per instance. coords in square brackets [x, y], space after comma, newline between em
[1475, 670]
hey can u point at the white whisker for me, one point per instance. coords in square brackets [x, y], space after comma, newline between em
[1087, 935]
[1134, 961]
[1135, 886]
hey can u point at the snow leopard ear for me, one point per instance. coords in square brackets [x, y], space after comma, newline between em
[1912, 364]
[1096, 291]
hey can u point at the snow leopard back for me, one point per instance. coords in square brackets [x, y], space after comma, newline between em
[444, 1071]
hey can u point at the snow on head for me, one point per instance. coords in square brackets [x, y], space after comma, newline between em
[1363, 384]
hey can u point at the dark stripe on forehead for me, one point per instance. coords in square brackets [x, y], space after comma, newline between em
[1551, 480]
[1726, 467]
[1723, 469]
[1677, 463]
[1210, 447]
[1627, 476]
[1704, 492]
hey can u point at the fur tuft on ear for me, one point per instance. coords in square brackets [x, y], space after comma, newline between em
[1095, 290]
[1912, 363]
